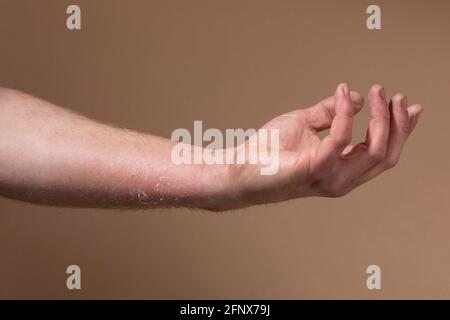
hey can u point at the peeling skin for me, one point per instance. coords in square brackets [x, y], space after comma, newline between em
[50, 155]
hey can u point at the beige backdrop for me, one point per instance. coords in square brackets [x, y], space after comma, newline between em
[158, 65]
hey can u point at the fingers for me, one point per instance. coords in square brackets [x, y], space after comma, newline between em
[374, 149]
[320, 116]
[339, 166]
[340, 135]
[403, 122]
[414, 113]
[378, 131]
[399, 129]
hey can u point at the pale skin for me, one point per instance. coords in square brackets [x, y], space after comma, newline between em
[49, 155]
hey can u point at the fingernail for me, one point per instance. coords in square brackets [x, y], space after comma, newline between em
[345, 90]
[404, 102]
[417, 109]
[382, 93]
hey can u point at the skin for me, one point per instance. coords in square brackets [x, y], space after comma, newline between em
[52, 156]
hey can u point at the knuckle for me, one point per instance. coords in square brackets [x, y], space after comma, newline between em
[391, 163]
[405, 129]
[327, 113]
[341, 142]
[377, 155]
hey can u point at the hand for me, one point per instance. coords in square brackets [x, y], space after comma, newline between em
[330, 167]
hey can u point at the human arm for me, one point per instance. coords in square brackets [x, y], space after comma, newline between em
[50, 155]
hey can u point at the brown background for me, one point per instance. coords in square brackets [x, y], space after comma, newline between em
[158, 65]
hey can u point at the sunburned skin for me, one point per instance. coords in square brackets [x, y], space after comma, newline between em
[49, 155]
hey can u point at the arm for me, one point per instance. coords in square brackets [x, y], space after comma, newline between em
[52, 156]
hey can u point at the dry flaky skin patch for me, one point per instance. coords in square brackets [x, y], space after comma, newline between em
[167, 191]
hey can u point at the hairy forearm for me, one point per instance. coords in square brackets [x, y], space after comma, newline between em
[52, 156]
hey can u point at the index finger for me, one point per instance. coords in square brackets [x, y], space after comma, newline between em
[341, 127]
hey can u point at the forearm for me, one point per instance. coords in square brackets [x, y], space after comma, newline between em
[52, 156]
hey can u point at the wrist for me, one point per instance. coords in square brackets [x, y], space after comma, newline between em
[220, 192]
[232, 186]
